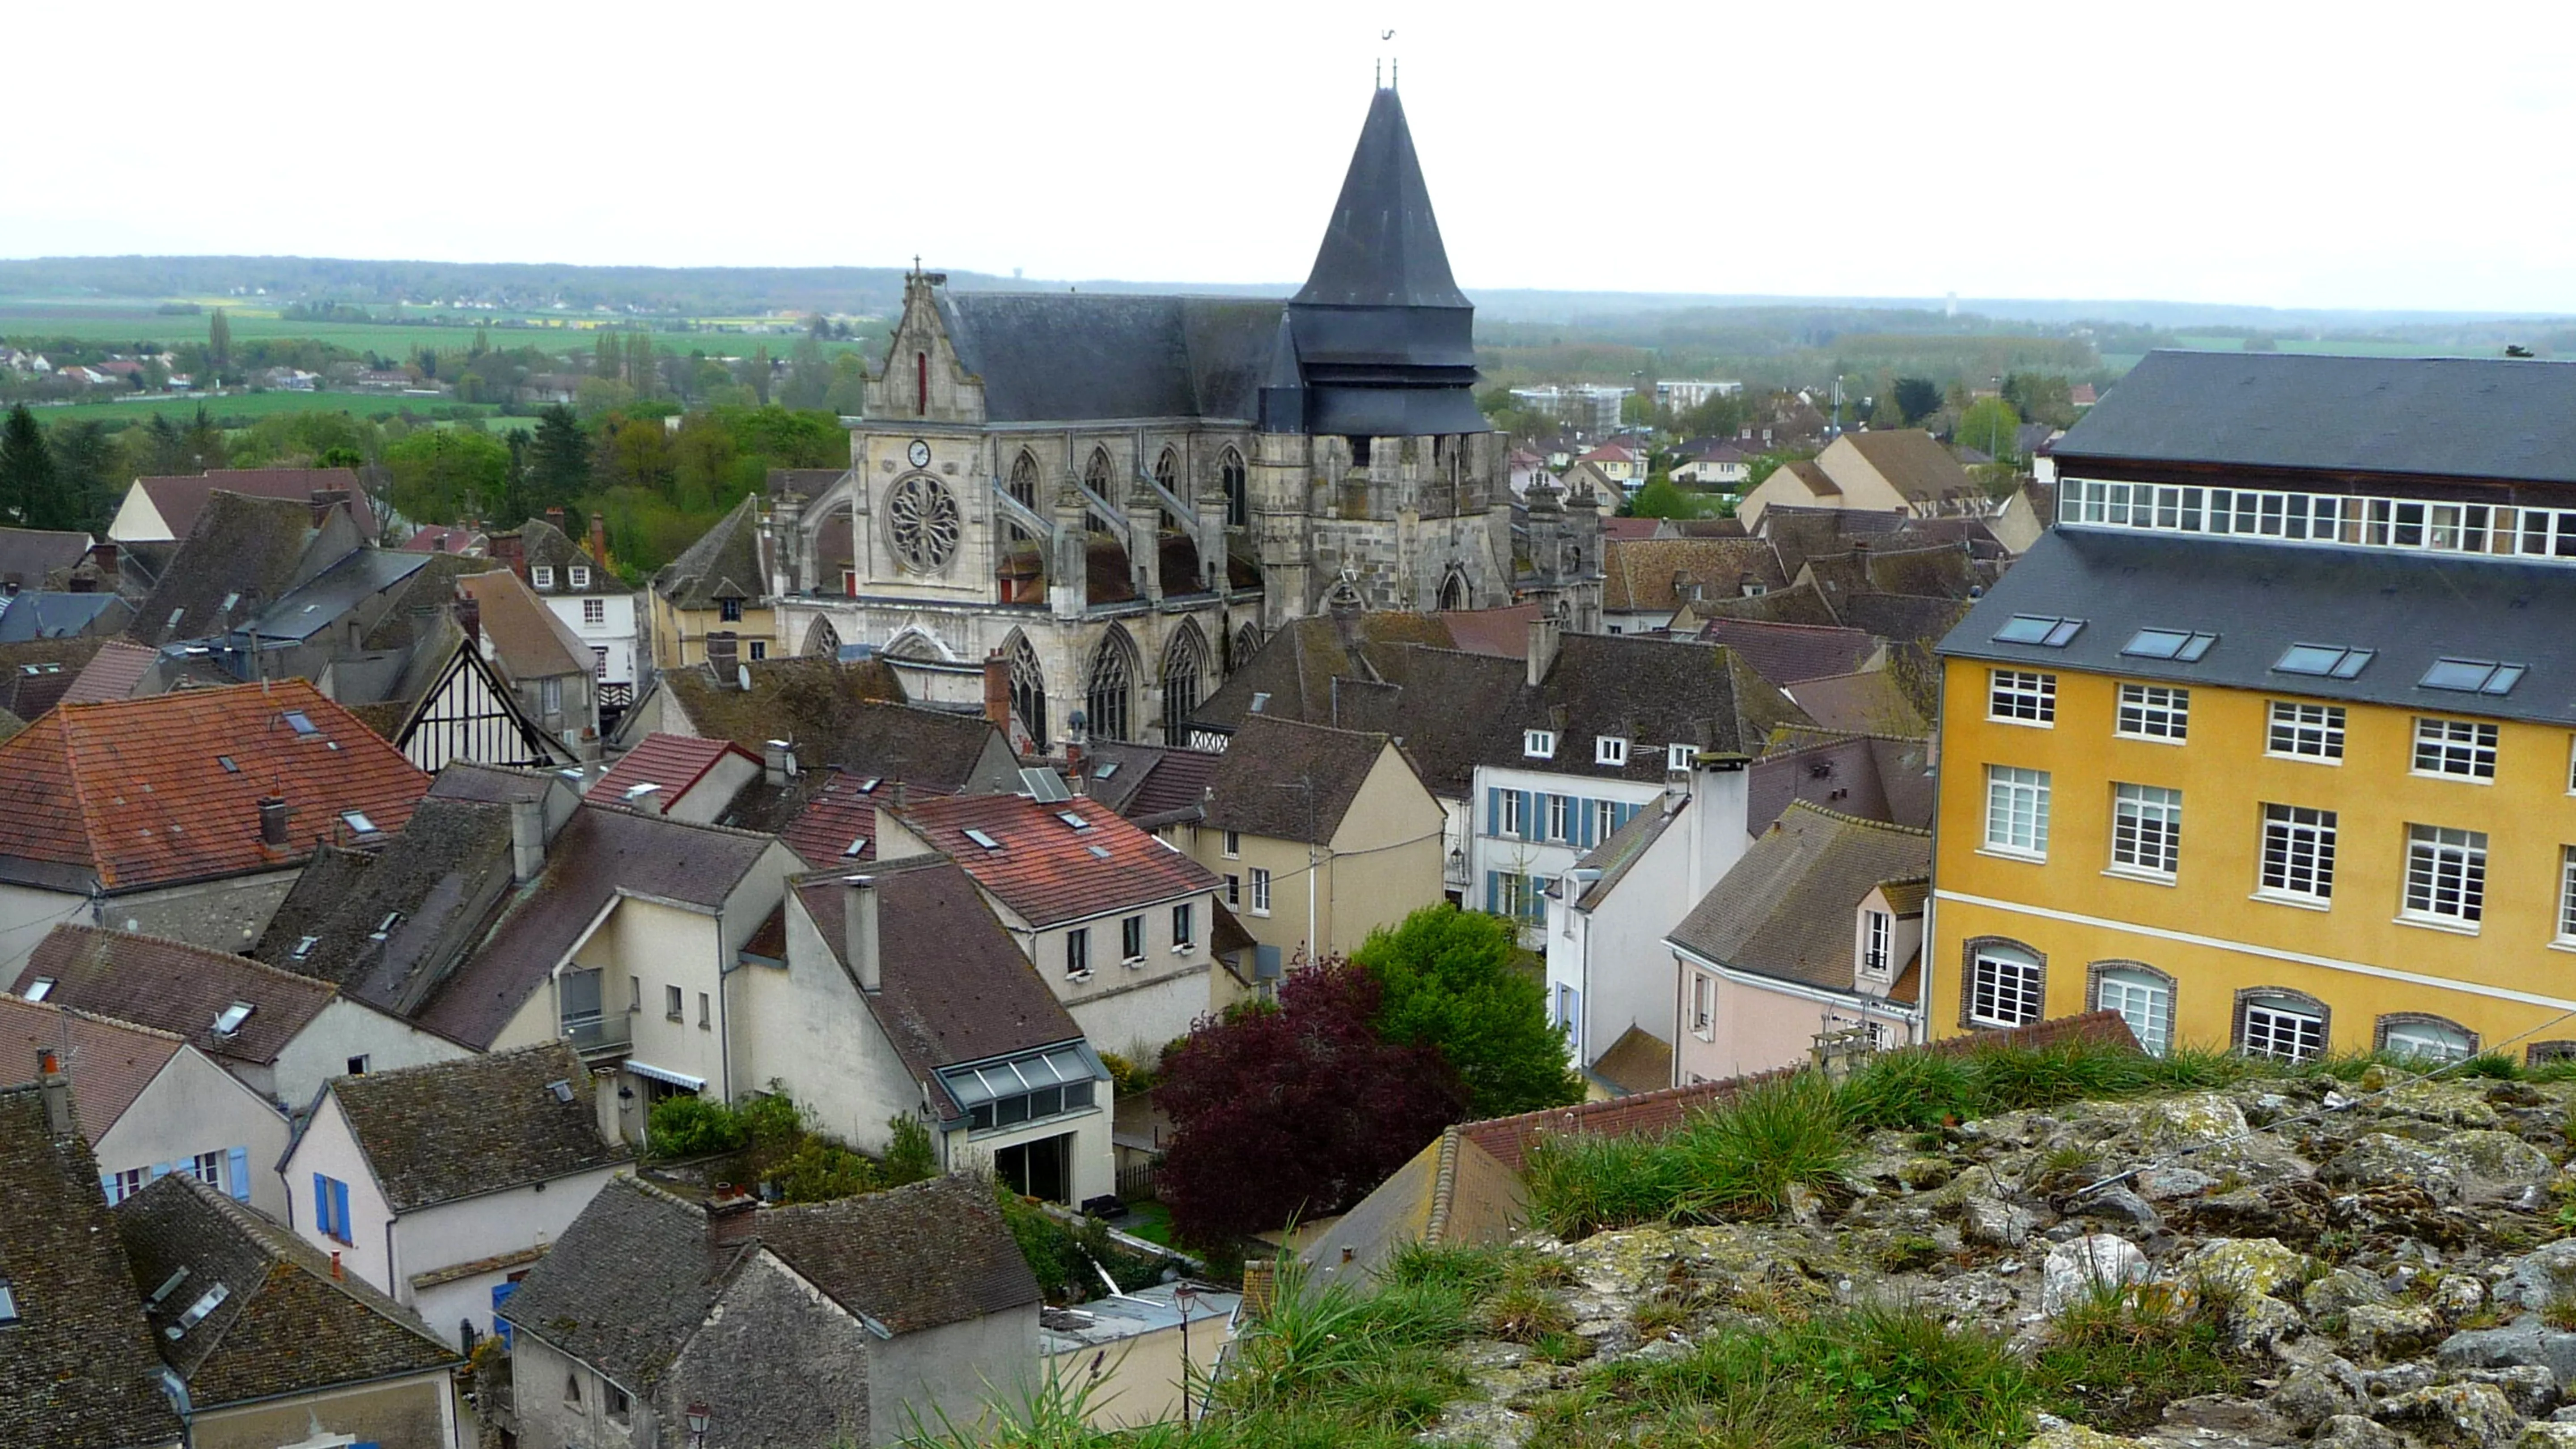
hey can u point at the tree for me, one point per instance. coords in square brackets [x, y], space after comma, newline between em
[219, 341]
[1721, 415]
[605, 358]
[848, 394]
[1663, 498]
[27, 482]
[1916, 399]
[442, 474]
[1449, 985]
[808, 376]
[640, 367]
[558, 460]
[1990, 426]
[2041, 397]
[86, 464]
[202, 442]
[755, 373]
[1295, 1110]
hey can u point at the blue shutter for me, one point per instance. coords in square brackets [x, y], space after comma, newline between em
[340, 1211]
[1493, 892]
[1585, 826]
[322, 1204]
[1493, 810]
[237, 1173]
[107, 1184]
[501, 1294]
[1529, 815]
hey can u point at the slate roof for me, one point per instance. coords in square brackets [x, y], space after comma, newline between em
[1153, 785]
[1914, 462]
[916, 1257]
[38, 558]
[836, 714]
[240, 548]
[2259, 599]
[674, 762]
[181, 498]
[2453, 417]
[1784, 654]
[35, 675]
[1625, 846]
[492, 784]
[1874, 777]
[134, 793]
[437, 1133]
[42, 615]
[1044, 869]
[1786, 908]
[956, 988]
[1800, 603]
[627, 1284]
[322, 601]
[1382, 247]
[805, 483]
[600, 851]
[109, 1062]
[1287, 780]
[1297, 666]
[723, 564]
[175, 987]
[112, 673]
[527, 639]
[286, 1326]
[80, 1371]
[1068, 356]
[542, 544]
[1645, 574]
[1901, 618]
[1941, 571]
[1649, 692]
[387, 925]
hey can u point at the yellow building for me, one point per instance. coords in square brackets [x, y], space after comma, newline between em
[2268, 743]
[709, 605]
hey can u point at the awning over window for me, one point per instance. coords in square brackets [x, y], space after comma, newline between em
[1019, 1075]
[661, 1074]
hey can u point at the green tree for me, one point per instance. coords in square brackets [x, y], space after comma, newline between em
[1917, 398]
[1449, 984]
[27, 480]
[203, 442]
[607, 361]
[1989, 425]
[809, 377]
[2041, 397]
[219, 341]
[1663, 498]
[848, 394]
[755, 373]
[639, 364]
[558, 460]
[86, 464]
[1720, 416]
[442, 474]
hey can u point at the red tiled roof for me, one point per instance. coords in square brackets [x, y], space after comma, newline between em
[1631, 528]
[137, 790]
[175, 987]
[109, 1062]
[838, 814]
[1608, 453]
[1503, 633]
[674, 762]
[1045, 869]
[111, 673]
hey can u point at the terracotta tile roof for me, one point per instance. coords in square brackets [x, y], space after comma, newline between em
[1609, 453]
[449, 538]
[180, 498]
[109, 1062]
[1639, 1061]
[1653, 573]
[79, 1371]
[455, 1129]
[527, 639]
[1630, 529]
[1153, 785]
[1045, 869]
[674, 762]
[1500, 632]
[175, 987]
[837, 814]
[137, 793]
[286, 1326]
[111, 673]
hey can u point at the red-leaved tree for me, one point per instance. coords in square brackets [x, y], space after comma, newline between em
[1295, 1111]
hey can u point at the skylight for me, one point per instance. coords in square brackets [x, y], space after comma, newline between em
[986, 841]
[2179, 645]
[1260, 697]
[2046, 630]
[1076, 821]
[304, 947]
[43, 987]
[8, 1302]
[855, 847]
[232, 1018]
[357, 820]
[168, 1286]
[386, 926]
[562, 1090]
[1099, 851]
[230, 768]
[869, 785]
[213, 1299]
[2332, 660]
[2473, 676]
[298, 721]
[1104, 770]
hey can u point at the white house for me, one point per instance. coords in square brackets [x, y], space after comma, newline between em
[576, 584]
[441, 1184]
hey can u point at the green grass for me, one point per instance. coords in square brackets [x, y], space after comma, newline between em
[254, 405]
[110, 323]
[2114, 1361]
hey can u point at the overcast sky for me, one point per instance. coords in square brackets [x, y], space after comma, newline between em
[2315, 155]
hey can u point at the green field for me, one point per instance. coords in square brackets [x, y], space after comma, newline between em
[124, 323]
[251, 405]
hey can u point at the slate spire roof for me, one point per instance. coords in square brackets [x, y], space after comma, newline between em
[1382, 247]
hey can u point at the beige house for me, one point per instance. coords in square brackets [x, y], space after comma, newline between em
[1138, 1355]
[1902, 470]
[1319, 835]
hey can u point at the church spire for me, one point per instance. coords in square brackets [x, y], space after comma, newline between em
[1382, 247]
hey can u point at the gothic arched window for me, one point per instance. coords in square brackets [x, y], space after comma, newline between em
[1184, 675]
[823, 641]
[1453, 591]
[1108, 695]
[1095, 476]
[1167, 470]
[1024, 488]
[1238, 503]
[1028, 690]
[1247, 642]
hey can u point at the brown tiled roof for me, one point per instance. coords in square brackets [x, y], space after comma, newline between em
[239, 548]
[455, 1129]
[1500, 632]
[36, 673]
[286, 1325]
[386, 925]
[111, 673]
[1936, 571]
[78, 1370]
[1153, 785]
[1709, 527]
[1786, 908]
[136, 792]
[1648, 574]
[1903, 618]
[1045, 869]
[1797, 604]
[918, 1257]
[109, 1062]
[521, 634]
[1787, 653]
[1818, 481]
[1296, 666]
[1629, 530]
[175, 987]
[36, 558]
[1287, 780]
[837, 813]
[1639, 1061]
[180, 498]
[1915, 464]
[1866, 703]
[850, 715]
[543, 544]
[1876, 777]
[674, 762]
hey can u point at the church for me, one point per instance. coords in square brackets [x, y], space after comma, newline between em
[1123, 495]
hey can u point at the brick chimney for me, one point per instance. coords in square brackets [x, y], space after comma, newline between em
[555, 516]
[997, 691]
[860, 940]
[469, 617]
[599, 539]
[272, 821]
[57, 1091]
[731, 1216]
[326, 499]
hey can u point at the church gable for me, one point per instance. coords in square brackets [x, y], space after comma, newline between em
[926, 378]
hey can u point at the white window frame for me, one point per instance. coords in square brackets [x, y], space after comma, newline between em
[1538, 744]
[2298, 844]
[2567, 895]
[2430, 1041]
[1234, 892]
[1260, 891]
[1077, 952]
[2158, 712]
[542, 575]
[1703, 1009]
[759, 650]
[1185, 928]
[2143, 1001]
[2442, 861]
[2146, 830]
[2017, 812]
[1515, 814]
[2281, 1030]
[2455, 749]
[1132, 942]
[2294, 724]
[1560, 817]
[1232, 847]
[594, 613]
[2021, 697]
[2000, 979]
[1878, 945]
[1605, 819]
[1680, 757]
[1609, 750]
[578, 576]
[208, 1168]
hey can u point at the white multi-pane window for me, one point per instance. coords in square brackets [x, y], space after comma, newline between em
[2154, 712]
[2431, 1040]
[2298, 851]
[542, 576]
[2306, 731]
[1609, 750]
[1538, 744]
[1515, 821]
[1878, 943]
[2461, 747]
[1260, 891]
[1560, 810]
[2446, 873]
[2567, 893]
[2282, 1029]
[2003, 987]
[2023, 696]
[2145, 1002]
[594, 613]
[2017, 810]
[2146, 828]
[208, 1168]
[1703, 988]
[1680, 757]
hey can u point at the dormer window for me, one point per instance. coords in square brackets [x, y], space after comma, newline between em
[1680, 757]
[729, 610]
[1878, 944]
[232, 1018]
[1538, 744]
[580, 576]
[1609, 750]
[542, 576]
[43, 987]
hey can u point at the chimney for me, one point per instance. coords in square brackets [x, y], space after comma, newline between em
[603, 1102]
[272, 822]
[103, 554]
[859, 931]
[1073, 771]
[731, 1216]
[778, 764]
[58, 1093]
[1544, 632]
[469, 617]
[555, 516]
[335, 1265]
[599, 539]
[997, 691]
[326, 499]
[527, 839]
[900, 794]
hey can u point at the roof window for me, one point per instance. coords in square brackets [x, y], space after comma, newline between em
[213, 1299]
[302, 723]
[2472, 676]
[1260, 697]
[42, 988]
[1104, 769]
[2045, 630]
[2179, 645]
[1100, 852]
[168, 1286]
[2331, 660]
[304, 947]
[561, 1089]
[232, 1018]
[857, 845]
[357, 820]
[986, 841]
[386, 926]
[8, 1302]
[869, 785]
[1076, 821]
[231, 767]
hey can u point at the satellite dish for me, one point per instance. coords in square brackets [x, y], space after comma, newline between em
[742, 677]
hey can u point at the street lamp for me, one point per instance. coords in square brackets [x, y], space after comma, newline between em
[697, 1416]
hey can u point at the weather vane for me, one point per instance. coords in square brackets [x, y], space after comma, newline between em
[1393, 67]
